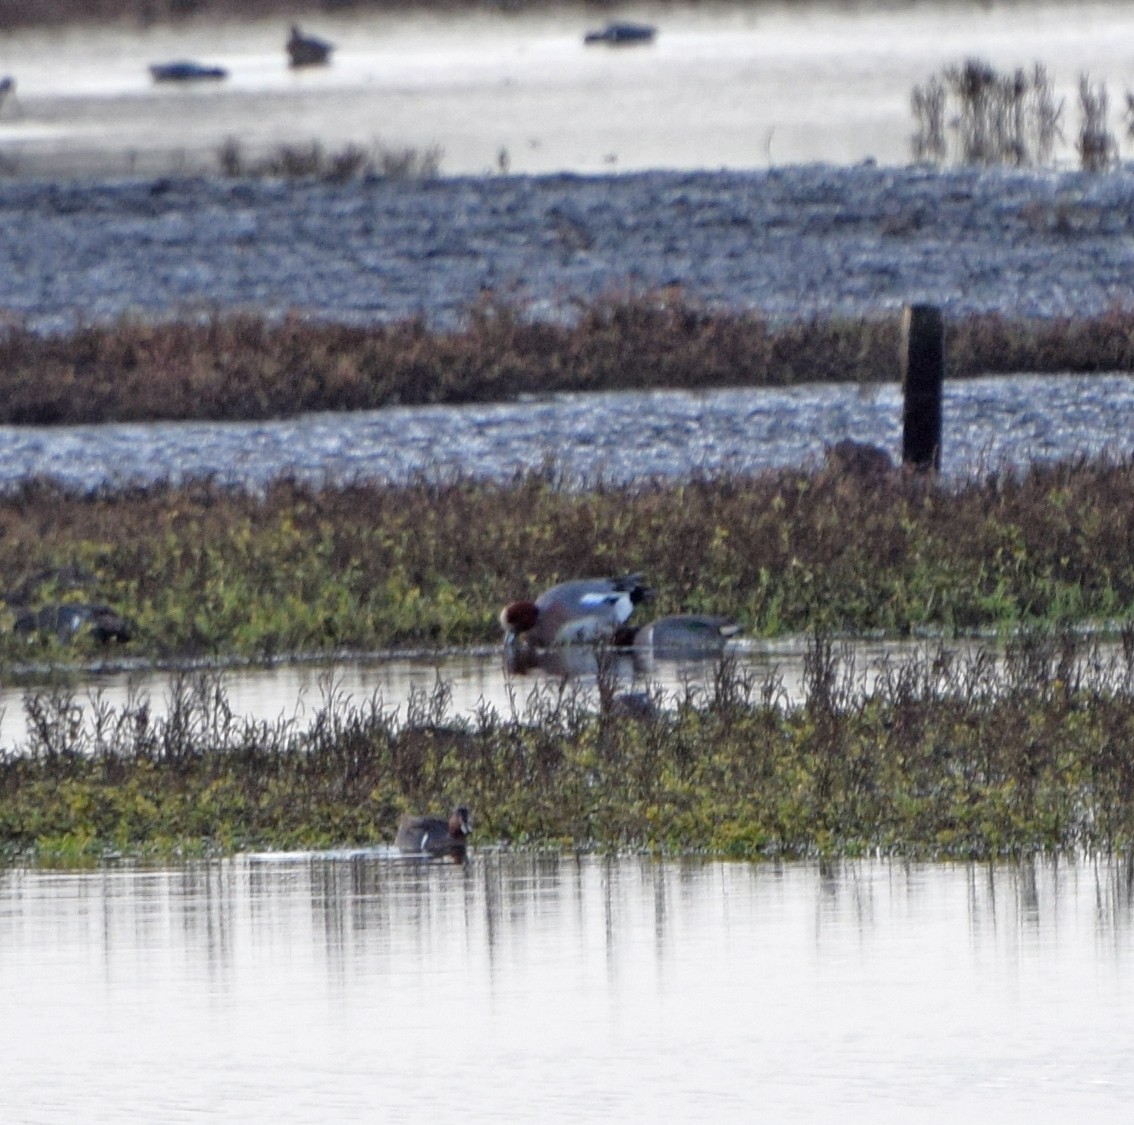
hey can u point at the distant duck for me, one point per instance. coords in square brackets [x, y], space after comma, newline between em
[578, 612]
[7, 86]
[435, 836]
[306, 50]
[619, 34]
[680, 635]
[185, 70]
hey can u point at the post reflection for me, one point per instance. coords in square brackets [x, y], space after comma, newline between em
[324, 973]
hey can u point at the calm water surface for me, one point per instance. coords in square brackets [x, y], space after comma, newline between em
[469, 680]
[359, 987]
[724, 85]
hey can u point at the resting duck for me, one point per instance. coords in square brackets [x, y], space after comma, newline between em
[682, 634]
[578, 612]
[620, 34]
[306, 50]
[185, 70]
[435, 836]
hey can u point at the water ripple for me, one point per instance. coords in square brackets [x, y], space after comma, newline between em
[617, 437]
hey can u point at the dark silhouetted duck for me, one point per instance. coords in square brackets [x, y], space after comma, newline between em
[185, 70]
[579, 612]
[621, 34]
[306, 50]
[435, 836]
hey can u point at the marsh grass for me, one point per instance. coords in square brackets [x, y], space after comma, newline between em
[975, 754]
[1096, 144]
[200, 570]
[245, 366]
[974, 114]
[311, 161]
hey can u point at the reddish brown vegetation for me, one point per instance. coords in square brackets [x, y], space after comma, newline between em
[243, 366]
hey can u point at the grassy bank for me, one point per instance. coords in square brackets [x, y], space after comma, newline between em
[199, 570]
[945, 756]
[245, 367]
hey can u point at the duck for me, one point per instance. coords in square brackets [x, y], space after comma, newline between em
[306, 50]
[582, 611]
[680, 634]
[622, 34]
[434, 835]
[186, 70]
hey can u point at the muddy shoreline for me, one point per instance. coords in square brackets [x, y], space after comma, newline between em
[791, 243]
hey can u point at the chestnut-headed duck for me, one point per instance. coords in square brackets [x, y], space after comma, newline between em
[434, 835]
[682, 634]
[579, 612]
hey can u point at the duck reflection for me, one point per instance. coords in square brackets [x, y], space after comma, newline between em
[569, 662]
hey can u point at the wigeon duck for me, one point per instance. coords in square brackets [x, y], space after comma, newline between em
[579, 612]
[434, 835]
[682, 634]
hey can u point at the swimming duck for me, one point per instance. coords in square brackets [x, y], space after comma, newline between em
[681, 634]
[578, 612]
[306, 50]
[622, 34]
[186, 70]
[435, 836]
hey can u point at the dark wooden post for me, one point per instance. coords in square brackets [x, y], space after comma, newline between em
[923, 372]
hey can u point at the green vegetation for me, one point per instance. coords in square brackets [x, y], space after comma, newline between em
[201, 570]
[948, 755]
[244, 366]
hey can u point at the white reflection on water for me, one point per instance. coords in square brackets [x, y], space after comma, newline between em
[464, 681]
[359, 987]
[725, 85]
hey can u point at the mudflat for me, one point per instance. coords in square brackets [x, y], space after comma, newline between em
[796, 241]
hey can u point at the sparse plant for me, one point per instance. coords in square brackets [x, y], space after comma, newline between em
[407, 162]
[1097, 145]
[929, 102]
[312, 161]
[990, 118]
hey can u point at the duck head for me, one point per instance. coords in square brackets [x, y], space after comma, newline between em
[460, 822]
[516, 618]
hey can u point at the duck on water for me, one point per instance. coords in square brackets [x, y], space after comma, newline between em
[307, 50]
[622, 34]
[578, 612]
[434, 835]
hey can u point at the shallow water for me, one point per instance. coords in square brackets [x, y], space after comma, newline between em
[737, 86]
[619, 437]
[359, 987]
[465, 681]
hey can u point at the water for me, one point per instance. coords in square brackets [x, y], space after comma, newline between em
[359, 987]
[737, 86]
[295, 692]
[619, 437]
